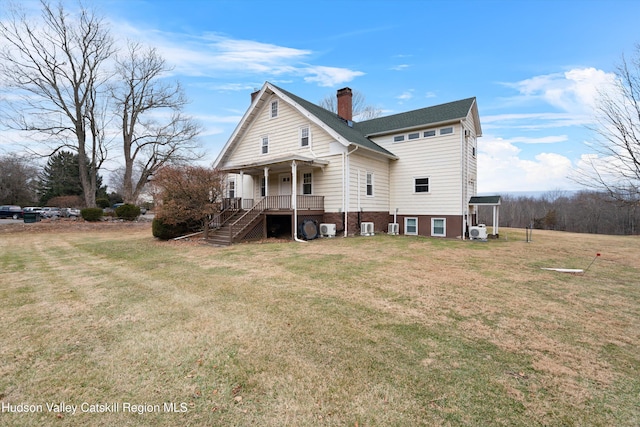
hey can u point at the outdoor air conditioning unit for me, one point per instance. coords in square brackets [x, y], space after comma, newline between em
[366, 229]
[478, 232]
[328, 230]
[394, 228]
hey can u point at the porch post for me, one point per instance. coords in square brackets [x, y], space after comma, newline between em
[240, 186]
[266, 181]
[294, 184]
[496, 219]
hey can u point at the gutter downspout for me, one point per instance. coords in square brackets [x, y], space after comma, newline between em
[294, 200]
[345, 188]
[462, 179]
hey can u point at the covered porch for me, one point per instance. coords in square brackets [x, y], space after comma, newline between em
[282, 192]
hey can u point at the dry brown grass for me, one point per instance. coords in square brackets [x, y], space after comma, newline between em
[367, 331]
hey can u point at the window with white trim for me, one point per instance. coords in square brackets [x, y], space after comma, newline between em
[421, 185]
[304, 136]
[414, 135]
[274, 109]
[439, 227]
[446, 131]
[231, 189]
[398, 138]
[307, 181]
[369, 183]
[411, 226]
[429, 133]
[265, 145]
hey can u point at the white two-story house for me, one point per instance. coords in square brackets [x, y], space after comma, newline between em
[290, 161]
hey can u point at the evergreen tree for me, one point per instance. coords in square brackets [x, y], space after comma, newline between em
[60, 177]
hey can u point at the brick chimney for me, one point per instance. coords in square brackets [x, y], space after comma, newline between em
[345, 103]
[254, 94]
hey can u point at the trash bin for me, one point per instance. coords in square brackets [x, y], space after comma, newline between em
[30, 217]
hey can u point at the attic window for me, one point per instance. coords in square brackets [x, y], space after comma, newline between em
[304, 136]
[415, 135]
[429, 133]
[398, 138]
[274, 109]
[446, 131]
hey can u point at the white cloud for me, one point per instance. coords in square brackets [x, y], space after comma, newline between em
[330, 76]
[400, 67]
[406, 95]
[574, 91]
[213, 54]
[502, 168]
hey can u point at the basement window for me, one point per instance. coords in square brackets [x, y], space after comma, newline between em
[439, 227]
[411, 226]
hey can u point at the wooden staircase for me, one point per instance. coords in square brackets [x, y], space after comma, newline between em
[236, 226]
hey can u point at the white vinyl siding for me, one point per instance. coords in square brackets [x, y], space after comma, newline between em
[437, 158]
[359, 166]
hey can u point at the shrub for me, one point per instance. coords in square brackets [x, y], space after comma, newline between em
[103, 203]
[164, 231]
[128, 212]
[91, 214]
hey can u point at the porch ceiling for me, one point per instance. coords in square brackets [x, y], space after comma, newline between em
[279, 164]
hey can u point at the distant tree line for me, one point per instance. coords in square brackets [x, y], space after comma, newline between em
[581, 212]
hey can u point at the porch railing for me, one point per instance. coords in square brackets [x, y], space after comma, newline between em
[284, 202]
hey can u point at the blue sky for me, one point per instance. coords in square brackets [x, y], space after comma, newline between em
[534, 66]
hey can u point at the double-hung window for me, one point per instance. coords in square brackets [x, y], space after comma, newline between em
[439, 227]
[304, 136]
[370, 184]
[307, 181]
[265, 145]
[231, 189]
[411, 226]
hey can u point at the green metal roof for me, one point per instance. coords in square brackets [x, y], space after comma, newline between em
[485, 200]
[451, 111]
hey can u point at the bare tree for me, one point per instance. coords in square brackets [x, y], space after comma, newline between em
[18, 180]
[616, 169]
[188, 194]
[55, 64]
[155, 131]
[361, 111]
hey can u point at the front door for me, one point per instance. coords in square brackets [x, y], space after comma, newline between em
[285, 184]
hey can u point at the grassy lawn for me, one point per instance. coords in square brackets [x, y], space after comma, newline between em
[376, 331]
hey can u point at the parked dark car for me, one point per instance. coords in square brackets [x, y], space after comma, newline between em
[10, 211]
